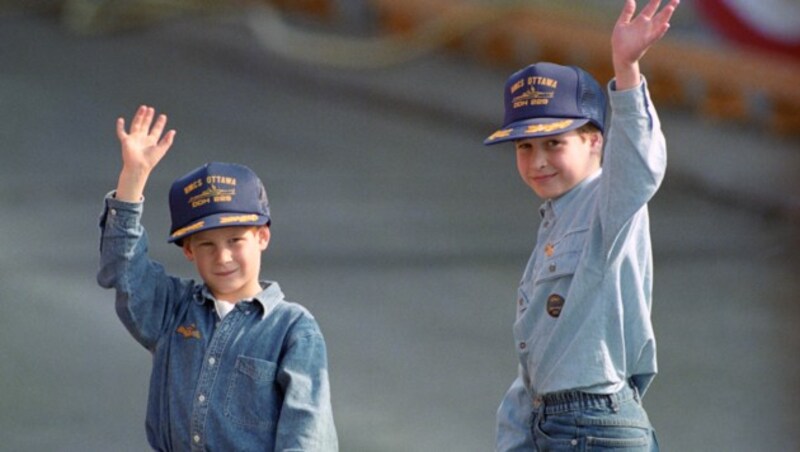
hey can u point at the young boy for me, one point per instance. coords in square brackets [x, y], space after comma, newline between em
[583, 332]
[235, 366]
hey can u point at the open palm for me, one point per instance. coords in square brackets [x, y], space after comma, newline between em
[632, 36]
[146, 143]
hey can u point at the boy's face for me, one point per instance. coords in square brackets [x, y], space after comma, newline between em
[229, 259]
[555, 164]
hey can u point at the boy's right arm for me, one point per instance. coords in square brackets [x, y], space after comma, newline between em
[635, 156]
[145, 293]
[513, 420]
[142, 148]
[144, 290]
[633, 35]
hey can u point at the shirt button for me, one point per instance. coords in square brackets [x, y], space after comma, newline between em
[202, 398]
[212, 361]
[574, 442]
[552, 267]
[522, 345]
[196, 438]
[113, 211]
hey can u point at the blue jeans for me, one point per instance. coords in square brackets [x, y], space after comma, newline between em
[577, 421]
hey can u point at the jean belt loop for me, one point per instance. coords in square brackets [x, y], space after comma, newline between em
[636, 395]
[613, 400]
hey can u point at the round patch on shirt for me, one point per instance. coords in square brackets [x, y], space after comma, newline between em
[554, 304]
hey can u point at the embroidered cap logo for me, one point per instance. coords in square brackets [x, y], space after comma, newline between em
[540, 91]
[213, 192]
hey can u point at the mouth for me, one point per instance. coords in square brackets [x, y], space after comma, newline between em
[225, 273]
[543, 178]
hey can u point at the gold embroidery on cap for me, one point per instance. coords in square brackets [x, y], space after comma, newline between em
[212, 193]
[190, 228]
[501, 134]
[227, 180]
[238, 219]
[537, 128]
[533, 95]
[194, 185]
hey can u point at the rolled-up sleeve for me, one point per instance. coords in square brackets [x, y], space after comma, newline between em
[144, 291]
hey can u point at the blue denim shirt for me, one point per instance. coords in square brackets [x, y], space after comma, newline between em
[255, 380]
[583, 307]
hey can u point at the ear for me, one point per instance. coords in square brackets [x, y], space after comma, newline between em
[263, 235]
[187, 250]
[596, 143]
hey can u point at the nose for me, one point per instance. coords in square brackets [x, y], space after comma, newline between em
[538, 160]
[224, 255]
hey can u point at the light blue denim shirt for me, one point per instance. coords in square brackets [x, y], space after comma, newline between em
[255, 380]
[583, 309]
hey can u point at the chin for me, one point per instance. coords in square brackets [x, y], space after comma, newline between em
[547, 194]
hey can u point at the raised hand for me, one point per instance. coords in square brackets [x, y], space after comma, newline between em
[634, 34]
[142, 148]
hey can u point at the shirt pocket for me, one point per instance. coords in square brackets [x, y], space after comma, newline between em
[253, 398]
[565, 256]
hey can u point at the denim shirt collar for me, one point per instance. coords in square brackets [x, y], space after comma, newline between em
[559, 204]
[270, 295]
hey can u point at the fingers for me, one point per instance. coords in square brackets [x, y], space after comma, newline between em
[140, 119]
[665, 14]
[660, 22]
[650, 9]
[142, 123]
[166, 141]
[143, 119]
[158, 127]
[121, 128]
[627, 12]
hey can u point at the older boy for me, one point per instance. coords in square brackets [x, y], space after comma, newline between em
[235, 366]
[583, 331]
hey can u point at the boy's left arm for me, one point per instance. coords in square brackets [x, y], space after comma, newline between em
[306, 419]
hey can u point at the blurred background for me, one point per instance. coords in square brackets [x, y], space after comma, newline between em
[393, 224]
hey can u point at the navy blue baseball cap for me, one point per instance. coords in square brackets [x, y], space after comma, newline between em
[216, 195]
[547, 99]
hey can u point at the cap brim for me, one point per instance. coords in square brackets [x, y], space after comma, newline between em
[532, 128]
[219, 220]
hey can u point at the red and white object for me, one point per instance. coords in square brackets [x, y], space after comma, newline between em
[767, 25]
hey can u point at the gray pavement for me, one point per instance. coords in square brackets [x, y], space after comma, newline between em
[393, 224]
